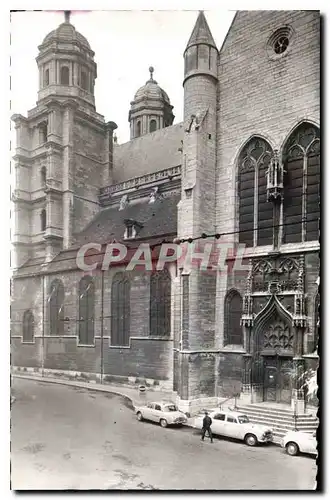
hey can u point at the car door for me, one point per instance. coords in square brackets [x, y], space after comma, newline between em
[157, 413]
[218, 420]
[147, 411]
[232, 427]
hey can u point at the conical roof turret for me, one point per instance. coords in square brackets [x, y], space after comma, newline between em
[201, 34]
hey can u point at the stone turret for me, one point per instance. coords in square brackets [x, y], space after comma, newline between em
[150, 110]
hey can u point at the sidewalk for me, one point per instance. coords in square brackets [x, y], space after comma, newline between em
[132, 393]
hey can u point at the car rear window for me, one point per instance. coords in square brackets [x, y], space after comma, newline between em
[170, 408]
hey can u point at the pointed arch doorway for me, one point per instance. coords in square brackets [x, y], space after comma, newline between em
[274, 351]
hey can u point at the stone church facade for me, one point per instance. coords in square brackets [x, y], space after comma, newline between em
[244, 165]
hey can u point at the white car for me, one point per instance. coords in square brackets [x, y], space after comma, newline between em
[296, 442]
[236, 425]
[165, 413]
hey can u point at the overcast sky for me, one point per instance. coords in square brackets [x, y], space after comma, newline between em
[125, 43]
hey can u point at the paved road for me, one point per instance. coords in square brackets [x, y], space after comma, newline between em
[69, 438]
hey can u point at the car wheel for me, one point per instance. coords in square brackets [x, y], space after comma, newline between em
[163, 422]
[251, 440]
[139, 416]
[292, 449]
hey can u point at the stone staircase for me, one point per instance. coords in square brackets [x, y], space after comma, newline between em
[281, 420]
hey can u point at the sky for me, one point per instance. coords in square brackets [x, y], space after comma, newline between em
[125, 43]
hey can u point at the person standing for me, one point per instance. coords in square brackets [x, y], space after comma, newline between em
[207, 422]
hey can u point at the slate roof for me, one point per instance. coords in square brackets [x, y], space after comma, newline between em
[158, 218]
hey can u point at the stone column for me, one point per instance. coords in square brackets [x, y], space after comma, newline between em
[298, 391]
[246, 394]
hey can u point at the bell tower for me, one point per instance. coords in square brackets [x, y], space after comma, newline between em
[63, 149]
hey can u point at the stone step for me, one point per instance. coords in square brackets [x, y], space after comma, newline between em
[279, 416]
[273, 411]
[283, 421]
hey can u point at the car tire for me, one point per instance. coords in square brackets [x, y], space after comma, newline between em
[292, 449]
[251, 440]
[163, 423]
[139, 416]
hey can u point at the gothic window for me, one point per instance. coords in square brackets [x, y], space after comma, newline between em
[86, 311]
[65, 75]
[43, 174]
[233, 334]
[84, 83]
[56, 308]
[160, 303]
[120, 310]
[138, 129]
[301, 209]
[43, 132]
[28, 326]
[43, 220]
[46, 78]
[255, 213]
[153, 126]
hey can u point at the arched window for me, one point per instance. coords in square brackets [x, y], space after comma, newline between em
[46, 78]
[28, 326]
[120, 310]
[43, 175]
[233, 333]
[65, 75]
[43, 220]
[84, 83]
[138, 129]
[160, 303]
[43, 133]
[86, 311]
[255, 213]
[153, 126]
[301, 209]
[56, 307]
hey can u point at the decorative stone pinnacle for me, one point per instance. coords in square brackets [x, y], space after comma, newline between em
[67, 14]
[151, 69]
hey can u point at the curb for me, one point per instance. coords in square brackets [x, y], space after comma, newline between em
[74, 384]
[83, 385]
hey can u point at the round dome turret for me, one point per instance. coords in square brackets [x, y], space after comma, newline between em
[66, 32]
[66, 65]
[151, 109]
[151, 90]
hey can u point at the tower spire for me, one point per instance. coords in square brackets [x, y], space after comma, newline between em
[67, 14]
[201, 33]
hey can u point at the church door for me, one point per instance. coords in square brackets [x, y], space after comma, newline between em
[277, 379]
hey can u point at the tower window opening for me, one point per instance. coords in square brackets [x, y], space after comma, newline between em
[65, 75]
[138, 129]
[43, 132]
[46, 78]
[43, 176]
[84, 84]
[153, 126]
[43, 220]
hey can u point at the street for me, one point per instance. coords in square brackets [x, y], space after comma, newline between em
[72, 438]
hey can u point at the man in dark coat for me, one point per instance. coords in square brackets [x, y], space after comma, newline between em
[207, 422]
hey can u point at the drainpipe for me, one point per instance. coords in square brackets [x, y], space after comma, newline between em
[102, 315]
[43, 327]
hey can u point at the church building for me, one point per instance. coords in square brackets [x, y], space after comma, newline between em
[242, 169]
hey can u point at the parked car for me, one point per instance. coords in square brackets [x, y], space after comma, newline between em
[236, 425]
[164, 412]
[296, 442]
